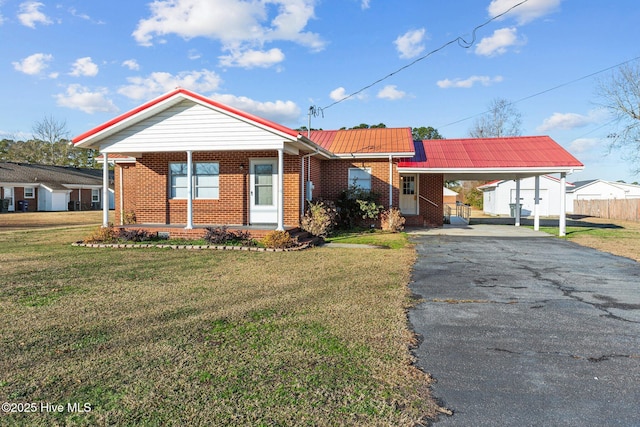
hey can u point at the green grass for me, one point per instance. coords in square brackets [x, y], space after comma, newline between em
[155, 337]
[373, 237]
[599, 232]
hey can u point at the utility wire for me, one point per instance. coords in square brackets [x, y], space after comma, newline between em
[460, 40]
[546, 90]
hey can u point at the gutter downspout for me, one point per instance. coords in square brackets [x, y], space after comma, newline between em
[390, 181]
[303, 196]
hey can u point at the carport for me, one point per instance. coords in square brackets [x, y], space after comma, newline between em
[505, 158]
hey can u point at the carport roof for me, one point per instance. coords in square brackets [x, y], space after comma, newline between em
[493, 158]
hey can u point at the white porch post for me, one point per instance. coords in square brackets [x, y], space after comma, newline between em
[105, 190]
[563, 205]
[303, 196]
[189, 191]
[518, 202]
[280, 201]
[390, 182]
[536, 205]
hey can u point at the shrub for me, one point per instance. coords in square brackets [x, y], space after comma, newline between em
[355, 205]
[129, 218]
[136, 235]
[392, 220]
[223, 236]
[320, 218]
[278, 240]
[102, 235]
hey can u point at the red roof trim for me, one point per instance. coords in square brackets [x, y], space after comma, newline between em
[189, 94]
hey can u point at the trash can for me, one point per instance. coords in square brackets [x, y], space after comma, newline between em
[512, 209]
[23, 205]
[74, 205]
[4, 205]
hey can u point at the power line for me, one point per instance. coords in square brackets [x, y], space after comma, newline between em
[546, 90]
[460, 40]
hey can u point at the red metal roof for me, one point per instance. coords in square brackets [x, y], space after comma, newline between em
[365, 141]
[490, 153]
[184, 93]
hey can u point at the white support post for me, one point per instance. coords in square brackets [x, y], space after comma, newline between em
[517, 202]
[105, 190]
[563, 205]
[121, 194]
[536, 205]
[189, 191]
[280, 201]
[303, 188]
[390, 182]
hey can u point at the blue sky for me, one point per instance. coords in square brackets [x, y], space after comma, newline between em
[84, 62]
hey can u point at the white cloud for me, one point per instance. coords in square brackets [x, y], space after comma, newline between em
[365, 4]
[582, 145]
[30, 14]
[527, 12]
[159, 82]
[568, 121]
[498, 43]
[81, 98]
[469, 82]
[277, 111]
[131, 64]
[252, 58]
[244, 25]
[84, 67]
[410, 44]
[392, 93]
[193, 54]
[34, 64]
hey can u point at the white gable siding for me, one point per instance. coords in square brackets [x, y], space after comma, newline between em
[191, 126]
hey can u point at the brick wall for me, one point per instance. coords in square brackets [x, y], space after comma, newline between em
[431, 187]
[146, 189]
[335, 178]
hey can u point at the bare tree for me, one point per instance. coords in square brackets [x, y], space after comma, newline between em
[620, 94]
[54, 134]
[501, 119]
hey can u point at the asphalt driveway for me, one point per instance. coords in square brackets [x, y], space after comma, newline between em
[525, 330]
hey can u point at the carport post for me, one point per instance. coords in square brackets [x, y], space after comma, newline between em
[517, 202]
[563, 205]
[536, 205]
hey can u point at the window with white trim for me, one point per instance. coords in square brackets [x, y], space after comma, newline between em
[95, 195]
[29, 192]
[206, 184]
[360, 178]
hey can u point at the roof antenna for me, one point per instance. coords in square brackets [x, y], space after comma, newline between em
[315, 112]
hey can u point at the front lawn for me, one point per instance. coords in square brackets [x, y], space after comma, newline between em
[158, 337]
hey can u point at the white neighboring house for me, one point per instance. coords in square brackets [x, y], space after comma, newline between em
[598, 189]
[499, 195]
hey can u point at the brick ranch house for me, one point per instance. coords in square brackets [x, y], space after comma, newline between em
[183, 161]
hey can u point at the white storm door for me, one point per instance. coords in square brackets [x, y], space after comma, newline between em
[8, 194]
[263, 191]
[408, 195]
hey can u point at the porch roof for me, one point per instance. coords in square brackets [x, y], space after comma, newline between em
[493, 158]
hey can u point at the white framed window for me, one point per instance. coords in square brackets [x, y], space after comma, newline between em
[206, 182]
[95, 195]
[360, 178]
[29, 192]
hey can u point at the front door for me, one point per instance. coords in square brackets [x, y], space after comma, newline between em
[263, 191]
[8, 194]
[408, 194]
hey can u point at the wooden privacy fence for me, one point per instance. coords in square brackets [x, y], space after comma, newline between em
[624, 209]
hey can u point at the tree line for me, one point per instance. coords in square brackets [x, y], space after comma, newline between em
[49, 145]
